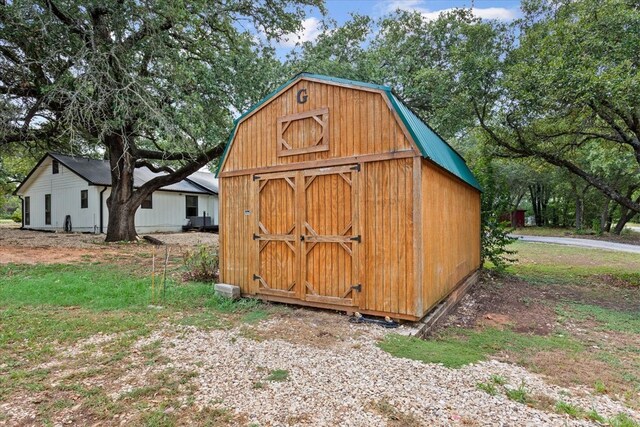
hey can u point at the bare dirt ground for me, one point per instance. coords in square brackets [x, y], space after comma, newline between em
[34, 247]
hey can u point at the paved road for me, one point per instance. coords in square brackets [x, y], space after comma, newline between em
[586, 243]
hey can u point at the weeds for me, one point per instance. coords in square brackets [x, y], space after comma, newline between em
[569, 409]
[498, 379]
[600, 387]
[488, 388]
[517, 394]
[278, 375]
[201, 263]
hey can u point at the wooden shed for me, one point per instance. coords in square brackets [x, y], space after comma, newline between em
[334, 194]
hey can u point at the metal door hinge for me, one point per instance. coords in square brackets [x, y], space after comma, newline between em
[255, 236]
[256, 177]
[357, 238]
[356, 168]
[256, 277]
[357, 288]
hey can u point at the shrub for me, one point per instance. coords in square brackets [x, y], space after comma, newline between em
[495, 239]
[201, 263]
[17, 215]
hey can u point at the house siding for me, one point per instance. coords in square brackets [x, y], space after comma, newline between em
[65, 187]
[168, 212]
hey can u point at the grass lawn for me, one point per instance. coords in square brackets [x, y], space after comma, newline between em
[47, 308]
[568, 313]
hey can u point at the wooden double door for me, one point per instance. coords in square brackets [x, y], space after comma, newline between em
[307, 235]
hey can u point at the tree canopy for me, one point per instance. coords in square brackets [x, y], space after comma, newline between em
[560, 85]
[151, 83]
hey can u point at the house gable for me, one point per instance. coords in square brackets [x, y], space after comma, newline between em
[42, 173]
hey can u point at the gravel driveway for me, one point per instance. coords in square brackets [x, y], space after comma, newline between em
[586, 243]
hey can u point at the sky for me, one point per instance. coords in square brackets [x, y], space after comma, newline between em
[340, 10]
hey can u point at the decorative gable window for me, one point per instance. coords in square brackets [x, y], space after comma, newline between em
[303, 133]
[147, 203]
[55, 166]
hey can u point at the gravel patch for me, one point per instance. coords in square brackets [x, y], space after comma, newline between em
[340, 385]
[191, 238]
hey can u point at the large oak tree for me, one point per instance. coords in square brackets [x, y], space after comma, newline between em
[152, 83]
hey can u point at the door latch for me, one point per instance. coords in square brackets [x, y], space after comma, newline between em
[256, 277]
[357, 238]
[357, 288]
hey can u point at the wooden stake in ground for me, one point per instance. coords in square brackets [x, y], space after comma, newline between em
[164, 276]
[153, 275]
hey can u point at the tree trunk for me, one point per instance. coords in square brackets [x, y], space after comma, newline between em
[579, 212]
[609, 222]
[604, 214]
[122, 203]
[121, 225]
[539, 203]
[625, 217]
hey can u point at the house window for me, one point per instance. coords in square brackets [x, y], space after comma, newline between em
[192, 206]
[47, 209]
[27, 210]
[147, 203]
[84, 199]
[55, 166]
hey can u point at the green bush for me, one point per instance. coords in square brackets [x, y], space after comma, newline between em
[495, 239]
[202, 263]
[17, 215]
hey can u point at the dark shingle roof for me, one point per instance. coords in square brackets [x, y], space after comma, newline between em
[206, 180]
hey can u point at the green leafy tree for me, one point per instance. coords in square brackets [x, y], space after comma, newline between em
[152, 83]
[569, 85]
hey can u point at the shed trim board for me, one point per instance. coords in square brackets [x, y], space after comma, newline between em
[384, 221]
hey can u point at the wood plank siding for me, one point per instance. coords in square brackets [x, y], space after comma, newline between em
[359, 123]
[450, 232]
[329, 203]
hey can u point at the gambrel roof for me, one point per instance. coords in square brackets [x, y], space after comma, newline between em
[431, 145]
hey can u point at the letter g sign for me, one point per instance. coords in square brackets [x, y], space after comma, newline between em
[302, 96]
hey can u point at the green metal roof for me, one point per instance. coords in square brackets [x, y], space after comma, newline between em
[430, 144]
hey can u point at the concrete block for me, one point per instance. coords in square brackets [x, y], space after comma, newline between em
[227, 291]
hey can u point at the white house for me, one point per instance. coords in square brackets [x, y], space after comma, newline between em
[62, 189]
